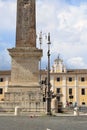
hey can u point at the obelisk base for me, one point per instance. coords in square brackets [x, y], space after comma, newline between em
[25, 66]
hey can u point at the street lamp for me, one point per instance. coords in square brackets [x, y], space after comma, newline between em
[48, 96]
[40, 41]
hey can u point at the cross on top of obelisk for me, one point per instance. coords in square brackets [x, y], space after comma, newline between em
[26, 24]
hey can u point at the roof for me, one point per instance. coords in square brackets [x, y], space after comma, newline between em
[77, 71]
[5, 72]
[69, 71]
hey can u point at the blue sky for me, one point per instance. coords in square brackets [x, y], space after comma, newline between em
[66, 20]
[75, 2]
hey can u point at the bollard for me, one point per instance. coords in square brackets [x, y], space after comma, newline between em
[76, 111]
[54, 106]
[17, 111]
[48, 129]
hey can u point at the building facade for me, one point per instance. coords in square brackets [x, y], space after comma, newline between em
[5, 79]
[70, 85]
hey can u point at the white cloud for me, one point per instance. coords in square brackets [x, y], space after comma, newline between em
[66, 23]
[68, 27]
[5, 61]
[77, 62]
[7, 15]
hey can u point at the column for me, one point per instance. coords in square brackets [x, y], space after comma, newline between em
[64, 98]
[76, 89]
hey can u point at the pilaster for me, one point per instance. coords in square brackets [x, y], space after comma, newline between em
[64, 91]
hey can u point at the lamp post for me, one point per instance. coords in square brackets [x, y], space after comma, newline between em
[40, 41]
[48, 96]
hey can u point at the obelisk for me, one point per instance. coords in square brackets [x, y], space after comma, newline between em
[25, 56]
[26, 24]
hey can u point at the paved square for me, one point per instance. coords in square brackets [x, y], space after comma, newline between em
[42, 123]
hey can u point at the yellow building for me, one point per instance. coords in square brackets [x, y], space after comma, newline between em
[70, 85]
[4, 81]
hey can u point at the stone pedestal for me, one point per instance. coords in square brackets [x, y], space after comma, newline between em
[25, 63]
[24, 89]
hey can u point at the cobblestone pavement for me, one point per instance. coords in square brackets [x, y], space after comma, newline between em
[42, 123]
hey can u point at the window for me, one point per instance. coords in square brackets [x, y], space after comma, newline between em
[44, 99]
[1, 91]
[70, 103]
[58, 79]
[71, 97]
[83, 103]
[82, 79]
[1, 79]
[70, 79]
[70, 91]
[58, 99]
[58, 90]
[83, 91]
